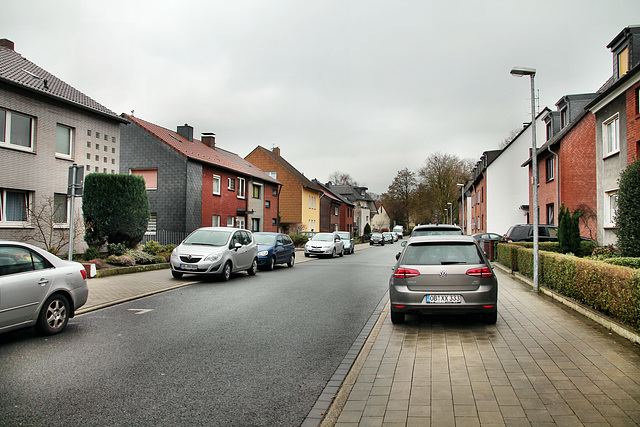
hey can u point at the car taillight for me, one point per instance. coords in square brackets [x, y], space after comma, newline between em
[403, 273]
[480, 272]
[84, 273]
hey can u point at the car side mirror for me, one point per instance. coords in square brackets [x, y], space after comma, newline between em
[237, 246]
[280, 244]
[398, 256]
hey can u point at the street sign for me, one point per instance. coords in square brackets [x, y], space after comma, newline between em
[75, 181]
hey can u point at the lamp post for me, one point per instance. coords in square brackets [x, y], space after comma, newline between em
[450, 212]
[519, 72]
[461, 206]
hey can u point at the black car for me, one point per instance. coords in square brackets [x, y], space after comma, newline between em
[524, 233]
[376, 239]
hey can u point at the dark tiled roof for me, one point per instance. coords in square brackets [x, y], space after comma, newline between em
[19, 71]
[197, 150]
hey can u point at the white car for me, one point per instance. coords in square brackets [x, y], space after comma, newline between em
[215, 251]
[38, 289]
[324, 244]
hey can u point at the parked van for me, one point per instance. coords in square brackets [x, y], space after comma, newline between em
[398, 230]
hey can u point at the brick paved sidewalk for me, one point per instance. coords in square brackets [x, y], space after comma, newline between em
[540, 365]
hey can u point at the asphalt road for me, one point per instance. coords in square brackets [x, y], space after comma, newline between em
[248, 352]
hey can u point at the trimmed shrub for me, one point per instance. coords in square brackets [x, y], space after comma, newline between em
[140, 257]
[121, 260]
[116, 249]
[604, 252]
[115, 209]
[91, 253]
[299, 239]
[152, 247]
[159, 259]
[624, 261]
[169, 248]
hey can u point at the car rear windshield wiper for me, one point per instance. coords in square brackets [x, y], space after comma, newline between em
[452, 262]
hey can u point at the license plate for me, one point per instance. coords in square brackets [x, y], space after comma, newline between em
[444, 299]
[188, 266]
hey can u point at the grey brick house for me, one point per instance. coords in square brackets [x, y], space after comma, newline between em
[46, 126]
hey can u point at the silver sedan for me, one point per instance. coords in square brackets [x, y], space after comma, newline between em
[38, 288]
[327, 244]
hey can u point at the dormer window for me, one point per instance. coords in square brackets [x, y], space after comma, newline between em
[623, 62]
[563, 118]
[549, 130]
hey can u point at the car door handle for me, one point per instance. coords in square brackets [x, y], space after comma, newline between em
[43, 282]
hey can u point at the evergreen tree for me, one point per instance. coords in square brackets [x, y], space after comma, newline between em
[627, 216]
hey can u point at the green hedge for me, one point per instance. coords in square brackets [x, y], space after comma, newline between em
[610, 289]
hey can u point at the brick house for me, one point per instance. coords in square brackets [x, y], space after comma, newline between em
[566, 163]
[299, 196]
[46, 126]
[336, 212]
[194, 184]
[364, 205]
[617, 113]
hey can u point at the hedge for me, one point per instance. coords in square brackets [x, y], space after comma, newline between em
[610, 289]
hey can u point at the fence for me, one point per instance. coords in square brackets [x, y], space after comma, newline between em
[165, 237]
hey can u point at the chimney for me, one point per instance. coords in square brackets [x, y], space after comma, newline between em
[186, 132]
[209, 139]
[7, 43]
[276, 151]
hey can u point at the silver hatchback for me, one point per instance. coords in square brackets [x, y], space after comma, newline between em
[443, 274]
[215, 251]
[38, 288]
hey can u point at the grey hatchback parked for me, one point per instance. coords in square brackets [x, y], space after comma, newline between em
[443, 274]
[217, 251]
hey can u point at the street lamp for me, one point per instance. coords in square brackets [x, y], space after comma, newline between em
[461, 206]
[446, 215]
[519, 72]
[450, 212]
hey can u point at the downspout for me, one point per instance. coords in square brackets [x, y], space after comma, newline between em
[557, 175]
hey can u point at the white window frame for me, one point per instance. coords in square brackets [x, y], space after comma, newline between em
[152, 225]
[240, 222]
[70, 142]
[215, 220]
[66, 211]
[230, 221]
[231, 184]
[336, 211]
[551, 172]
[241, 188]
[273, 175]
[610, 207]
[5, 139]
[3, 208]
[261, 190]
[610, 146]
[216, 184]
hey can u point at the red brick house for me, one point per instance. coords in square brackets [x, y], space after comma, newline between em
[336, 212]
[193, 183]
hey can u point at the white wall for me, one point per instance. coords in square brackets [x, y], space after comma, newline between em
[507, 182]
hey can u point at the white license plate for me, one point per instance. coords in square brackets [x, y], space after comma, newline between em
[188, 266]
[444, 299]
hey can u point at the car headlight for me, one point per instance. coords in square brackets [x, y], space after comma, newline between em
[263, 253]
[213, 257]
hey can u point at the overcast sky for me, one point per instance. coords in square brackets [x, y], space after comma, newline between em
[366, 87]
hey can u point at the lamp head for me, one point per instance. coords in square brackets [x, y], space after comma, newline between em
[523, 71]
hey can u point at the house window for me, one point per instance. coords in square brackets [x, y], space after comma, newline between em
[152, 225]
[550, 214]
[550, 164]
[216, 185]
[241, 188]
[60, 208]
[273, 175]
[14, 206]
[257, 191]
[16, 130]
[150, 177]
[97, 134]
[610, 207]
[623, 62]
[336, 211]
[230, 221]
[611, 135]
[275, 192]
[240, 222]
[274, 221]
[88, 132]
[267, 204]
[232, 184]
[549, 130]
[255, 224]
[215, 220]
[563, 117]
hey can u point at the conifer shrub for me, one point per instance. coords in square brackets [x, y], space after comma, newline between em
[627, 216]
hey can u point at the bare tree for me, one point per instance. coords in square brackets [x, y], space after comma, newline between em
[399, 198]
[438, 179]
[342, 178]
[509, 138]
[48, 220]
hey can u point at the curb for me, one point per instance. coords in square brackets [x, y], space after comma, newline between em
[614, 326]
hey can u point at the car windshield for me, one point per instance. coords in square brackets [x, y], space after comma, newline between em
[265, 239]
[418, 233]
[344, 235]
[376, 235]
[323, 237]
[208, 238]
[441, 253]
